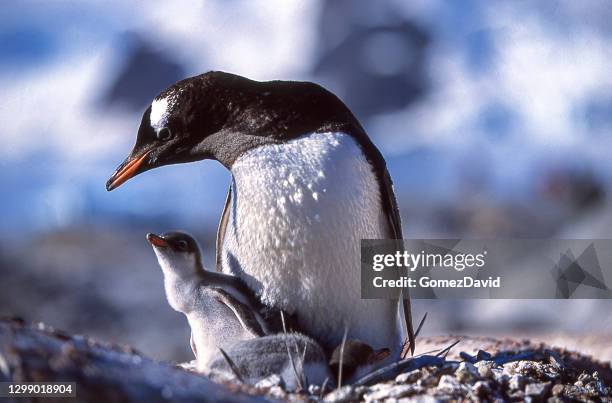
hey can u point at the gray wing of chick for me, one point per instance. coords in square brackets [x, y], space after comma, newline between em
[244, 314]
[271, 322]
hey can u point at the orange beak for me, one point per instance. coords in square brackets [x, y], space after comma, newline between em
[156, 240]
[125, 171]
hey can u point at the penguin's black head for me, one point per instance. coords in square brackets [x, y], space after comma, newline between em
[219, 116]
[176, 124]
[177, 251]
[179, 242]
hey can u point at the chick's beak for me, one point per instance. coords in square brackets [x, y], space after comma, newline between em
[156, 240]
[126, 170]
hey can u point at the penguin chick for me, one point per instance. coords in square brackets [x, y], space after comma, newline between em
[358, 359]
[257, 359]
[220, 309]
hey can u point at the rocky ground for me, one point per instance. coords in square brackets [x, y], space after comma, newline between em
[474, 369]
[510, 371]
[106, 283]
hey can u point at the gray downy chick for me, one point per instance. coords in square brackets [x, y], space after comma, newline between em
[220, 309]
[297, 359]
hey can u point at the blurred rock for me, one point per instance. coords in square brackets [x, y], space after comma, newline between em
[102, 372]
[575, 189]
[370, 56]
[145, 72]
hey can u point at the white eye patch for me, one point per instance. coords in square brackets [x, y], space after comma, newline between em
[159, 113]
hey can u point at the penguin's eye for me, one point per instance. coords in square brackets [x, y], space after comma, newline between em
[164, 134]
[182, 245]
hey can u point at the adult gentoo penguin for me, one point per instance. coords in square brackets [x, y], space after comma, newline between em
[307, 185]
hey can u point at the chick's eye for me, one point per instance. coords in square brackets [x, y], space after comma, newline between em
[164, 134]
[182, 245]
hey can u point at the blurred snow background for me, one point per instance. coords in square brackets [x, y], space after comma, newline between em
[495, 119]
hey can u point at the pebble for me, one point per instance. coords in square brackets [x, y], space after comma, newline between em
[555, 359]
[449, 384]
[409, 377]
[557, 390]
[345, 394]
[314, 390]
[421, 399]
[510, 369]
[517, 382]
[481, 389]
[485, 369]
[529, 368]
[517, 394]
[499, 376]
[538, 390]
[270, 382]
[277, 392]
[466, 372]
[393, 392]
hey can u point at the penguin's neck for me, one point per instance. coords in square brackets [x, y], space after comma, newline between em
[182, 290]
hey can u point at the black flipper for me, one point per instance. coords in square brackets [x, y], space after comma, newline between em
[243, 313]
[222, 228]
[389, 205]
[396, 229]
